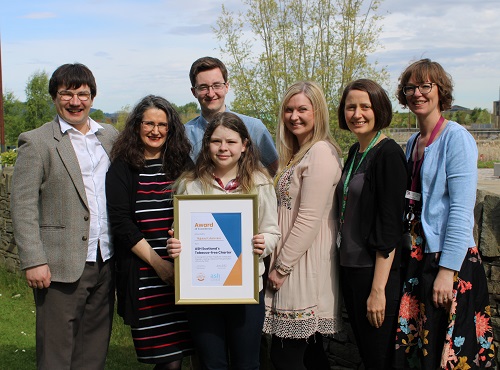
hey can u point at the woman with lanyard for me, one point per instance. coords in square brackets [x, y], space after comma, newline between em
[444, 318]
[371, 200]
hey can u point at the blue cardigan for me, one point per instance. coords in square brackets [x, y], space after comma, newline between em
[449, 180]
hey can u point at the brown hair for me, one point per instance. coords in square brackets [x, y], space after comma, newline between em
[248, 163]
[380, 103]
[206, 64]
[129, 146]
[72, 76]
[425, 70]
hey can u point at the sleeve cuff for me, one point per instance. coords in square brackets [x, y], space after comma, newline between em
[281, 268]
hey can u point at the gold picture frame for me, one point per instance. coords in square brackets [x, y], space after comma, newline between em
[217, 264]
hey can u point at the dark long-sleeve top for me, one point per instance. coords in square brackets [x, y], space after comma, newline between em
[382, 197]
[121, 190]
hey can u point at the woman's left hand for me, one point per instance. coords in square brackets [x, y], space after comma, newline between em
[442, 294]
[259, 244]
[375, 308]
[165, 270]
[275, 280]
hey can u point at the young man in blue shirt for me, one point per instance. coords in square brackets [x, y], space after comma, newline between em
[209, 85]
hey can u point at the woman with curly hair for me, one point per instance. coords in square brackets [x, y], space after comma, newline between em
[147, 158]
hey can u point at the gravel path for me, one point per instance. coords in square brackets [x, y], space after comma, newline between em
[486, 180]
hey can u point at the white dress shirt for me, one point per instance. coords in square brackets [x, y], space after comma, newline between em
[94, 163]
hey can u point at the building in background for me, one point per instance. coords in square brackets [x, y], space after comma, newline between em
[495, 119]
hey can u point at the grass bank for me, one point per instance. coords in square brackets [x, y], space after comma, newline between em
[485, 164]
[17, 328]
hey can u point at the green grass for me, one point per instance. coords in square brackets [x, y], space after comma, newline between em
[17, 328]
[485, 164]
[17, 323]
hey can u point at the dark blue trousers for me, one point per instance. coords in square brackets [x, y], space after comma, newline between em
[227, 334]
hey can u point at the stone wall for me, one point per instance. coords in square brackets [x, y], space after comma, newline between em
[8, 248]
[342, 351]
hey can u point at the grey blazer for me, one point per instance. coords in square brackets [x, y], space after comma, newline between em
[49, 207]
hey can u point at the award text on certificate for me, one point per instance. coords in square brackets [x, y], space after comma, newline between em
[216, 249]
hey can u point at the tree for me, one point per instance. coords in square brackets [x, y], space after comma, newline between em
[480, 115]
[39, 105]
[121, 117]
[327, 41]
[484, 116]
[187, 111]
[459, 116]
[13, 118]
[98, 116]
[399, 119]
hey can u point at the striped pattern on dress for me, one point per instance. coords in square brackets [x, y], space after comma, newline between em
[162, 334]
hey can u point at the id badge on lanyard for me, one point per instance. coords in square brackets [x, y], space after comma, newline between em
[412, 195]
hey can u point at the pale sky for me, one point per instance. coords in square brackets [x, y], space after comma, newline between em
[135, 48]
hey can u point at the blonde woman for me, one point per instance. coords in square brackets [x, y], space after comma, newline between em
[302, 301]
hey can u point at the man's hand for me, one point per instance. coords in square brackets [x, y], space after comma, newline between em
[38, 276]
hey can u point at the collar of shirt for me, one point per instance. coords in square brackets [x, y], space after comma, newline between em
[65, 126]
[230, 186]
[203, 121]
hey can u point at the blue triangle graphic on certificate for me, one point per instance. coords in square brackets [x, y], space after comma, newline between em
[230, 225]
[214, 251]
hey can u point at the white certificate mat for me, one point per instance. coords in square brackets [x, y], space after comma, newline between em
[217, 264]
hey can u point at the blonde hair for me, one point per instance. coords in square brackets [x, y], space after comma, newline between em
[289, 151]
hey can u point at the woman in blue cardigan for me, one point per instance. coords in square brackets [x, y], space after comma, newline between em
[371, 203]
[444, 318]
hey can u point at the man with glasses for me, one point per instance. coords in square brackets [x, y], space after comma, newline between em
[58, 207]
[209, 84]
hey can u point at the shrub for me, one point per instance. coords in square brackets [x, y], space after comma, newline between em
[8, 158]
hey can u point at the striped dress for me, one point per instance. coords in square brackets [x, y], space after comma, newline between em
[162, 335]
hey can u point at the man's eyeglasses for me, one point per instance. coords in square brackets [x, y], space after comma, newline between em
[424, 89]
[68, 95]
[150, 126]
[218, 86]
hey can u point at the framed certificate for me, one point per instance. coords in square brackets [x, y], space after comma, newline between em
[217, 264]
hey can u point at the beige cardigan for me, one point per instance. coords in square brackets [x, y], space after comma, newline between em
[309, 299]
[268, 216]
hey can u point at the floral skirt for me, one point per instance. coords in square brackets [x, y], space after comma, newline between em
[435, 338]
